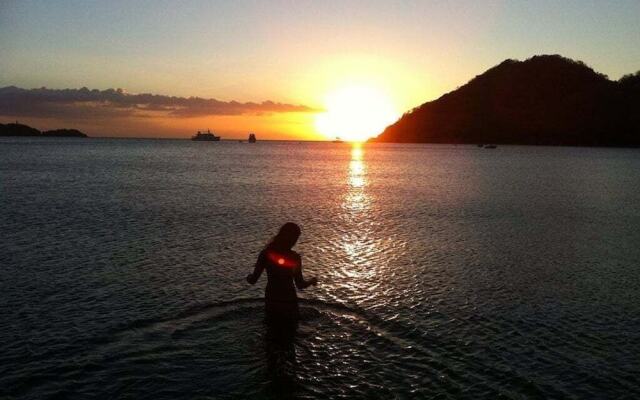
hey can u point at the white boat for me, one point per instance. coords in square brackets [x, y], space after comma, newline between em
[206, 137]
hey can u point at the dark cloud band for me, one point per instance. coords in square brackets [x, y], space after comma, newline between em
[87, 103]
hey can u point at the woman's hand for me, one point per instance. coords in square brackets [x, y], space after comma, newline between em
[251, 279]
[313, 281]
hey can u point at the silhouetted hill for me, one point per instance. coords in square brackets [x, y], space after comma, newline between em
[546, 100]
[16, 129]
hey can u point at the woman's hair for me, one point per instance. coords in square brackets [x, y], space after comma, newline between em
[286, 238]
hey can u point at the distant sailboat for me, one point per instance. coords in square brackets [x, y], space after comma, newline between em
[337, 140]
[252, 138]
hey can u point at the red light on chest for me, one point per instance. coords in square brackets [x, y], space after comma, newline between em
[281, 260]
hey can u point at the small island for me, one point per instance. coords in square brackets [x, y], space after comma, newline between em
[16, 129]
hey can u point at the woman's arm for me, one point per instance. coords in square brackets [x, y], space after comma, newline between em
[257, 270]
[301, 283]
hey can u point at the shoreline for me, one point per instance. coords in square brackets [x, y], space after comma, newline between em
[303, 141]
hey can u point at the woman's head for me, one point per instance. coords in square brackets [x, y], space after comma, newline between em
[287, 236]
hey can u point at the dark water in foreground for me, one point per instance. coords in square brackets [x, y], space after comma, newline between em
[445, 271]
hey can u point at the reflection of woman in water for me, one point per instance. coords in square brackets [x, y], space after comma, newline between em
[284, 268]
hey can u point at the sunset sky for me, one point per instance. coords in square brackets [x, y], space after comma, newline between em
[272, 67]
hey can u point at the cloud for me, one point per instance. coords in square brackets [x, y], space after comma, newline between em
[92, 103]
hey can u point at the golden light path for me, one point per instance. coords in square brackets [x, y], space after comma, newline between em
[356, 200]
[356, 168]
[356, 113]
[358, 241]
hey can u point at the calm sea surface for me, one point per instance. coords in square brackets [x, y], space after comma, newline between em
[445, 271]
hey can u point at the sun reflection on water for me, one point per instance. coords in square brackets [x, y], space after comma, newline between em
[358, 240]
[356, 198]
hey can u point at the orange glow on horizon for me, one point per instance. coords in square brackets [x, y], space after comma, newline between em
[276, 126]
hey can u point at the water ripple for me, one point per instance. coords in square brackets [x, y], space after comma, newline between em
[445, 271]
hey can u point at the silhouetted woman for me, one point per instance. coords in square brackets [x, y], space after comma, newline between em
[284, 269]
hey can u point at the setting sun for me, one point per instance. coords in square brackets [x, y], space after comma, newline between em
[355, 114]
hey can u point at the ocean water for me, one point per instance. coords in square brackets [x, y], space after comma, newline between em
[445, 271]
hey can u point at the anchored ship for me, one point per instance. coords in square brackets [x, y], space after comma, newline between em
[206, 136]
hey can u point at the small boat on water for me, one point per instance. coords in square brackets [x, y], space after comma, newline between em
[337, 140]
[206, 137]
[252, 138]
[490, 146]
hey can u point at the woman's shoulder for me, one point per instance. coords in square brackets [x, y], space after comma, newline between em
[272, 249]
[294, 253]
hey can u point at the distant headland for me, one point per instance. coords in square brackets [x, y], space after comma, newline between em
[16, 129]
[545, 100]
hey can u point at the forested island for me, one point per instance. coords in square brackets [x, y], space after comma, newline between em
[16, 129]
[545, 100]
